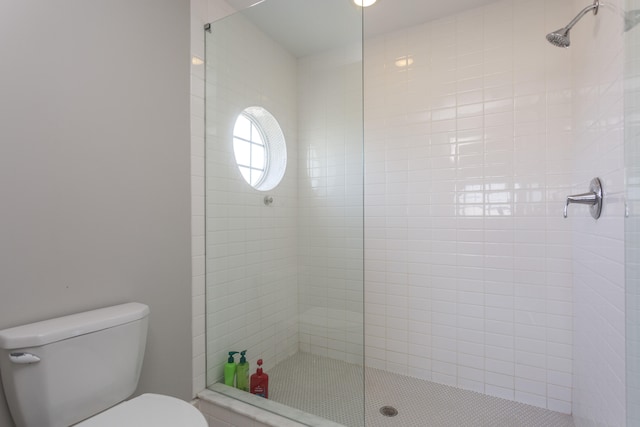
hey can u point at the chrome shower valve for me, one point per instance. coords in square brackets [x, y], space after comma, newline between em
[593, 198]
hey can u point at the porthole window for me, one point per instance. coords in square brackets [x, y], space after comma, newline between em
[259, 148]
[248, 146]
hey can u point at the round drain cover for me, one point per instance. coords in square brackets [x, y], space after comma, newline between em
[388, 411]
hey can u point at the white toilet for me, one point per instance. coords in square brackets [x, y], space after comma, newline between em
[79, 369]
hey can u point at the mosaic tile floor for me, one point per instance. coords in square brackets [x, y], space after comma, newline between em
[308, 383]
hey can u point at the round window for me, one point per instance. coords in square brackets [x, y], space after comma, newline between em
[259, 148]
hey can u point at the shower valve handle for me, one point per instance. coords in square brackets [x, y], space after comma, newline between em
[593, 198]
[582, 199]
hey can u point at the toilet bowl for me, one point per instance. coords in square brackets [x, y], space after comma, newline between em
[148, 410]
[79, 369]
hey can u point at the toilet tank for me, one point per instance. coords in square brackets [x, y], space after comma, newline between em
[61, 371]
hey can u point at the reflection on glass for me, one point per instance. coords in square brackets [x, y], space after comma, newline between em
[490, 199]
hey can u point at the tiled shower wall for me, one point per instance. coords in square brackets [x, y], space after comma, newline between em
[468, 161]
[330, 190]
[251, 248]
[598, 246]
[632, 222]
[468, 258]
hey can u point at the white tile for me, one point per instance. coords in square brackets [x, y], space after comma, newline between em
[520, 316]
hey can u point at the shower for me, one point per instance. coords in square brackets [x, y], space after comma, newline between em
[560, 37]
[413, 266]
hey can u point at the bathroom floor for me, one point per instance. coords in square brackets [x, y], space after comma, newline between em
[308, 383]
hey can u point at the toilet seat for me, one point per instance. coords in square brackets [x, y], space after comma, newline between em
[148, 410]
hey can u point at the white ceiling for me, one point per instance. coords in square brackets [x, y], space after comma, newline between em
[309, 26]
[389, 15]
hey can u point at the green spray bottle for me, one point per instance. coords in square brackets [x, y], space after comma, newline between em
[230, 369]
[242, 381]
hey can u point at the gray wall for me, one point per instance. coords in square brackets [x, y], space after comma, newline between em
[94, 169]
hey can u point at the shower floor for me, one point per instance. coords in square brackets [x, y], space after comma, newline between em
[308, 383]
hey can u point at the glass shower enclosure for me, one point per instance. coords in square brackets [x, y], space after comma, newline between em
[284, 205]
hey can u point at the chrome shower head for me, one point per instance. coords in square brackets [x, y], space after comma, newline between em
[560, 38]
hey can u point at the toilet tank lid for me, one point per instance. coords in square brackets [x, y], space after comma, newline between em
[61, 328]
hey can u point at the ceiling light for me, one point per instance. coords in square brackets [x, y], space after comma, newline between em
[364, 3]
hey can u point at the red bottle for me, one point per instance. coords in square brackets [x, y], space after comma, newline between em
[260, 382]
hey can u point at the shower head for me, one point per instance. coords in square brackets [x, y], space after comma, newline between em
[560, 38]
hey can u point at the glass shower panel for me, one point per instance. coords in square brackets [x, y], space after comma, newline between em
[284, 267]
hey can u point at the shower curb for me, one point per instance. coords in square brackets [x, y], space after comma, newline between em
[259, 409]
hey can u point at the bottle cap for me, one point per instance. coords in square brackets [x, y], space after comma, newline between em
[243, 359]
[231, 353]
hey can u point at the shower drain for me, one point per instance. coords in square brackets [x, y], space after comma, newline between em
[388, 411]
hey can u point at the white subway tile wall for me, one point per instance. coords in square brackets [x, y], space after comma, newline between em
[476, 130]
[330, 191]
[468, 259]
[632, 224]
[251, 259]
[599, 283]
